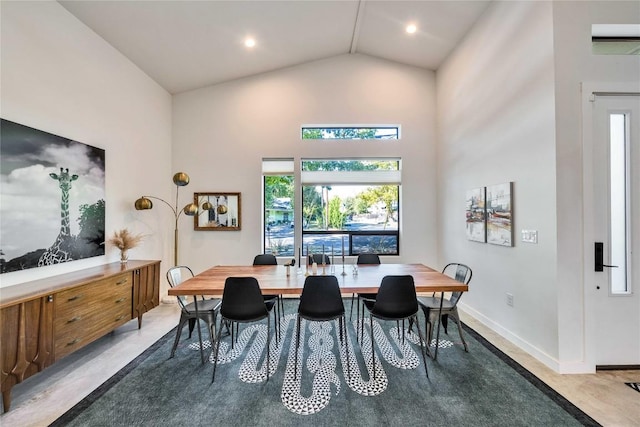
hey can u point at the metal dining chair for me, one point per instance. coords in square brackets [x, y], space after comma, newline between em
[207, 309]
[447, 307]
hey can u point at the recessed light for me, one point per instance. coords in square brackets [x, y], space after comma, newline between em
[249, 42]
[411, 28]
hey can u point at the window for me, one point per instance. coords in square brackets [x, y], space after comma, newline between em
[345, 203]
[615, 39]
[619, 209]
[352, 203]
[279, 207]
[350, 132]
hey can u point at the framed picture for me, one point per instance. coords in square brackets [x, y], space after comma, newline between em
[499, 214]
[52, 198]
[217, 211]
[476, 215]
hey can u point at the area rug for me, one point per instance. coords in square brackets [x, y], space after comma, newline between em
[333, 384]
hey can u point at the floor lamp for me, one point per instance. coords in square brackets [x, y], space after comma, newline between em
[180, 180]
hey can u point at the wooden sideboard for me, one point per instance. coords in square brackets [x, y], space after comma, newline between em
[44, 320]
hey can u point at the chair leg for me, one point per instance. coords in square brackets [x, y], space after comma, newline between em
[276, 320]
[361, 322]
[353, 297]
[457, 319]
[343, 324]
[212, 331]
[183, 320]
[234, 333]
[424, 359]
[295, 374]
[192, 325]
[269, 343]
[373, 350]
[215, 354]
[444, 320]
[428, 331]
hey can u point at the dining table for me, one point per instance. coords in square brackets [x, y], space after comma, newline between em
[289, 280]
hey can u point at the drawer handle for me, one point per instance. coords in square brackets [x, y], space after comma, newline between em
[120, 317]
[74, 319]
[120, 300]
[73, 342]
[121, 282]
[74, 298]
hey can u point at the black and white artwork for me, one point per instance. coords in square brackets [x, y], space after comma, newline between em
[52, 198]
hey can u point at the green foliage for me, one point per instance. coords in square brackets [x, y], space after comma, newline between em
[336, 217]
[277, 186]
[388, 194]
[311, 206]
[348, 165]
[311, 134]
[343, 133]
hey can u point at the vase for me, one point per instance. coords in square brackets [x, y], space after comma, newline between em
[124, 257]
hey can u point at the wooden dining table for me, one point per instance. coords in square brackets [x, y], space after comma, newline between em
[283, 280]
[273, 279]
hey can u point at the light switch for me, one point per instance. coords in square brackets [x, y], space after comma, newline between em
[530, 236]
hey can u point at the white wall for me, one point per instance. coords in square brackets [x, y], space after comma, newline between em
[574, 63]
[221, 133]
[60, 77]
[496, 123]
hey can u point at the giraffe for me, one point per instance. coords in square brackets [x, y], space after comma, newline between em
[59, 251]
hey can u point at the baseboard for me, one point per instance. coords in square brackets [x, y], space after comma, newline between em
[617, 367]
[578, 367]
[514, 339]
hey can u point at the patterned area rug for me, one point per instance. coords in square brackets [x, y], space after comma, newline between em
[334, 385]
[635, 386]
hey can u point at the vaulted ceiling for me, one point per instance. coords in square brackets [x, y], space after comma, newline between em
[185, 45]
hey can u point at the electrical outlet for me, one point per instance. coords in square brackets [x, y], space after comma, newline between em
[509, 299]
[530, 236]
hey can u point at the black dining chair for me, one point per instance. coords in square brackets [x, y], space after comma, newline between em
[318, 258]
[207, 309]
[270, 259]
[363, 259]
[431, 305]
[321, 301]
[242, 302]
[396, 300]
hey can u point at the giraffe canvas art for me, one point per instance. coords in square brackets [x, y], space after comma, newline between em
[52, 199]
[61, 249]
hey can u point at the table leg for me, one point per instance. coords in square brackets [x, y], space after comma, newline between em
[435, 355]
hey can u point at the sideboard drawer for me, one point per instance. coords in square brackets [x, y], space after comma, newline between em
[87, 312]
[75, 334]
[92, 294]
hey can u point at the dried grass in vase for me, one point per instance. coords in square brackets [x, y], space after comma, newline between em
[125, 240]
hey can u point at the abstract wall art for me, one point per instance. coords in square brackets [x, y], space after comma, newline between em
[476, 215]
[499, 214]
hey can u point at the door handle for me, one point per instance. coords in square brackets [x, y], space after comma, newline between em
[599, 253]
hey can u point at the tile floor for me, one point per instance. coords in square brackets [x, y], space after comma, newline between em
[41, 399]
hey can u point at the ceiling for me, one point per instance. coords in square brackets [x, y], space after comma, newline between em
[185, 45]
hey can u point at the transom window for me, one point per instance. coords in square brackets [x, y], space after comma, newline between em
[350, 132]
